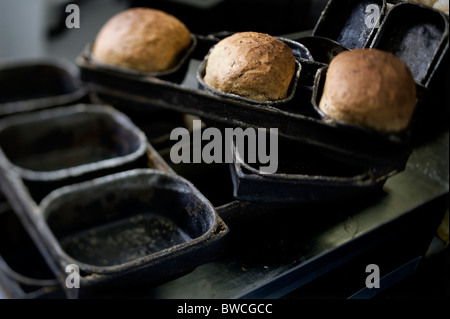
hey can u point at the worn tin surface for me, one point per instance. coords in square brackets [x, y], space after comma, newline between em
[22, 267]
[69, 144]
[322, 49]
[295, 120]
[417, 35]
[134, 227]
[33, 84]
[350, 22]
[143, 224]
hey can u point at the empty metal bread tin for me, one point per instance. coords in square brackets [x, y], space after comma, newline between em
[174, 74]
[33, 84]
[143, 224]
[64, 144]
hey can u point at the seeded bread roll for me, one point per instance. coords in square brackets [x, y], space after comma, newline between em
[370, 88]
[252, 65]
[142, 39]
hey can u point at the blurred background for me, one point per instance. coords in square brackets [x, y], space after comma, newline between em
[30, 28]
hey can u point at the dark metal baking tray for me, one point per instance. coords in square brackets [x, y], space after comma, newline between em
[175, 74]
[37, 83]
[345, 22]
[417, 35]
[69, 144]
[134, 227]
[305, 174]
[295, 120]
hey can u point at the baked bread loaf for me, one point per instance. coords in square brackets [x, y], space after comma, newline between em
[253, 65]
[370, 88]
[142, 39]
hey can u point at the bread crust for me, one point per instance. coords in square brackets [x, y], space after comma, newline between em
[370, 88]
[252, 65]
[142, 39]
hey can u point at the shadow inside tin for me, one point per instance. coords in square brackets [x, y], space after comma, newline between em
[125, 217]
[33, 84]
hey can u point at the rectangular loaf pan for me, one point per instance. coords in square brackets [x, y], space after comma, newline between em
[305, 174]
[37, 83]
[295, 120]
[52, 148]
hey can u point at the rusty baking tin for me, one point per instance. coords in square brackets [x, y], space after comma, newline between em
[34, 84]
[305, 174]
[344, 21]
[52, 148]
[133, 227]
[417, 35]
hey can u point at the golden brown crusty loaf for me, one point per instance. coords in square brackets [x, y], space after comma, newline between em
[252, 65]
[371, 88]
[142, 39]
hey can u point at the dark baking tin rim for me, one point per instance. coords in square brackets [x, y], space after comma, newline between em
[168, 74]
[327, 13]
[80, 92]
[119, 118]
[290, 96]
[206, 239]
[440, 50]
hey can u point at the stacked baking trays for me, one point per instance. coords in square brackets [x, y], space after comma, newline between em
[369, 157]
[91, 191]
